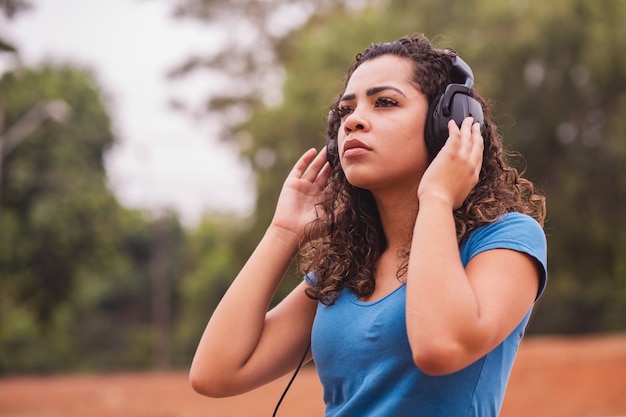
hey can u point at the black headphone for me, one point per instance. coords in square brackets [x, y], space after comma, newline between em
[456, 103]
[332, 149]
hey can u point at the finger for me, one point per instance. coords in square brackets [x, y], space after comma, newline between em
[478, 142]
[453, 128]
[467, 123]
[465, 136]
[313, 170]
[466, 127]
[301, 165]
[324, 175]
[454, 135]
[478, 146]
[476, 132]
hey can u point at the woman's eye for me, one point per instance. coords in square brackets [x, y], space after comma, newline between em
[385, 102]
[344, 111]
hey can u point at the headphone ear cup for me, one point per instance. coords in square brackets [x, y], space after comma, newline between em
[455, 104]
[332, 149]
[436, 136]
[464, 106]
[332, 153]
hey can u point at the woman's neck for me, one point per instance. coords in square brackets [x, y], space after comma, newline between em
[397, 212]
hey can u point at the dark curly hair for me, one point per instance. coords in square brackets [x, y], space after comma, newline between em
[343, 245]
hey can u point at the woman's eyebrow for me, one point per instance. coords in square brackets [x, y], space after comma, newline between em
[372, 91]
[376, 90]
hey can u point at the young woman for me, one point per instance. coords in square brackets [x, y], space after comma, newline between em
[423, 255]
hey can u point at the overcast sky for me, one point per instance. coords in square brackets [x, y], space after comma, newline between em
[163, 160]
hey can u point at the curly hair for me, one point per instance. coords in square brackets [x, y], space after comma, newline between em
[343, 245]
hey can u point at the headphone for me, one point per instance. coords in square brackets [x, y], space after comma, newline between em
[456, 103]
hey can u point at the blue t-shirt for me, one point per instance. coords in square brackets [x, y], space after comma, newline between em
[363, 358]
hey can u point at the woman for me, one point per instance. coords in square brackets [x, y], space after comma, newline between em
[423, 256]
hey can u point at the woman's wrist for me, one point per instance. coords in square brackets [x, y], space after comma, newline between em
[284, 237]
[441, 201]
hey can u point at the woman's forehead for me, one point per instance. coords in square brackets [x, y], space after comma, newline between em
[381, 70]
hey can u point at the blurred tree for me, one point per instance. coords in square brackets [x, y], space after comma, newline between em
[165, 263]
[210, 263]
[558, 85]
[75, 277]
[9, 8]
[251, 36]
[570, 125]
[51, 184]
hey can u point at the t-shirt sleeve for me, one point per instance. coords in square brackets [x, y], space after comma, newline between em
[515, 231]
[311, 279]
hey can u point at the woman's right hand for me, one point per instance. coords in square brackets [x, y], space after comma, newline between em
[301, 192]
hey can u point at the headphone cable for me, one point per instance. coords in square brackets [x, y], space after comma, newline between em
[291, 380]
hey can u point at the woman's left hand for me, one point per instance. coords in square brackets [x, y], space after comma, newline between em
[456, 168]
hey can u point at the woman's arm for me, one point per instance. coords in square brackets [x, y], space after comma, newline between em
[245, 346]
[456, 315]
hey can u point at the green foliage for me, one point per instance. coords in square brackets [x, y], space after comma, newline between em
[54, 203]
[53, 189]
[211, 264]
[75, 277]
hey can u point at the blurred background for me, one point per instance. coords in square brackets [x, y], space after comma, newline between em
[143, 145]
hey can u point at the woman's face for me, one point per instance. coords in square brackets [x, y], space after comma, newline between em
[381, 137]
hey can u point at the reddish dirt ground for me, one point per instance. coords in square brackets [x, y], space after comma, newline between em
[552, 377]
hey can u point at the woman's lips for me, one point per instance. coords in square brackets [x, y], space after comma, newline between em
[353, 147]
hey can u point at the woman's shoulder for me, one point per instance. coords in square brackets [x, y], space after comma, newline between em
[510, 224]
[513, 230]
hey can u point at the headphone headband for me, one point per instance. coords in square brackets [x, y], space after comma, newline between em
[461, 68]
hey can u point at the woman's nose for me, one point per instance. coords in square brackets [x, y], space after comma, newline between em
[354, 121]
